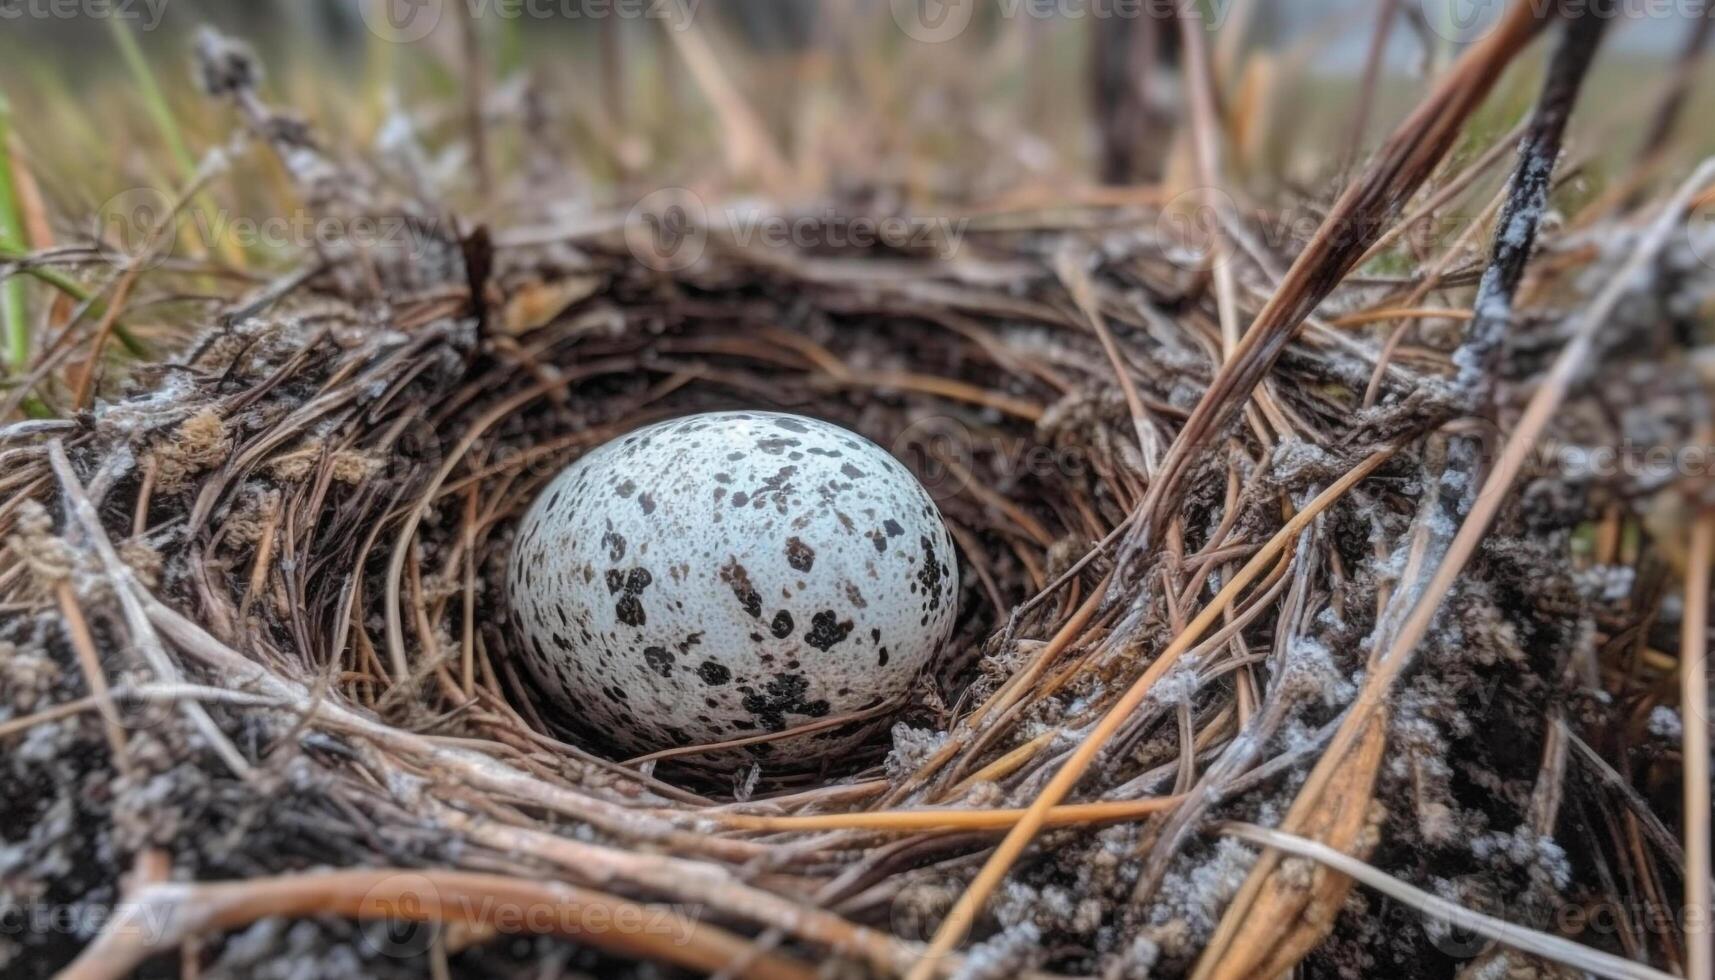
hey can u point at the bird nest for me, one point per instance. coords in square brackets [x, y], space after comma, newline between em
[264, 706]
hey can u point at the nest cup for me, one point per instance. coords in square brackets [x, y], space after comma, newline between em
[348, 497]
[974, 445]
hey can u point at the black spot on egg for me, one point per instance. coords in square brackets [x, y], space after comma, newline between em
[826, 630]
[615, 545]
[713, 674]
[660, 660]
[783, 694]
[930, 574]
[775, 445]
[629, 586]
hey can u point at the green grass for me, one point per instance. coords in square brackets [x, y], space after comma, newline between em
[14, 317]
[11, 251]
[154, 100]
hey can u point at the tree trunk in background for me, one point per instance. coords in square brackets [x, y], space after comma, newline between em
[1131, 58]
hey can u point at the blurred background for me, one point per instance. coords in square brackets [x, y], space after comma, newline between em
[991, 103]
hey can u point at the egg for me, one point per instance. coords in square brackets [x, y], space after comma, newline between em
[728, 575]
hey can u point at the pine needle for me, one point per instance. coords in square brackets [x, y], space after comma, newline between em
[1518, 937]
[1073, 814]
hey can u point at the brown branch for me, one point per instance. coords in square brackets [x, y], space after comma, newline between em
[159, 916]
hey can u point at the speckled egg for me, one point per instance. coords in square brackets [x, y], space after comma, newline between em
[726, 575]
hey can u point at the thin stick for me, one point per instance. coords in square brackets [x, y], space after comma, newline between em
[1004, 766]
[1363, 317]
[144, 692]
[1013, 689]
[161, 915]
[1206, 152]
[1527, 196]
[1446, 193]
[264, 557]
[914, 820]
[475, 72]
[1077, 282]
[467, 634]
[749, 147]
[1518, 937]
[64, 709]
[90, 663]
[1385, 11]
[1694, 708]
[396, 565]
[886, 707]
[127, 591]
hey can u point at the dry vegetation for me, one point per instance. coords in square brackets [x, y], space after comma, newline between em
[1286, 639]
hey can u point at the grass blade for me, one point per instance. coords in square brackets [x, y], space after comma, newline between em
[13, 316]
[154, 100]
